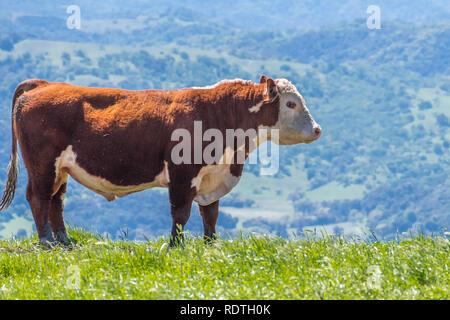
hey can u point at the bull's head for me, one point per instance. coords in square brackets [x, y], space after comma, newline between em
[295, 123]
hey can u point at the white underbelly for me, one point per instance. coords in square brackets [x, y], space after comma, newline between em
[66, 164]
[212, 182]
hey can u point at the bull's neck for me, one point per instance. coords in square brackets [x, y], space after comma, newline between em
[254, 109]
[248, 109]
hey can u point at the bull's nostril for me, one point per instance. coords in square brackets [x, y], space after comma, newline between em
[317, 131]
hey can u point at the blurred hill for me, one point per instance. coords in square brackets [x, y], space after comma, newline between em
[381, 96]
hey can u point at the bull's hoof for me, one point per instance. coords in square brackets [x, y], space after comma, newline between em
[176, 242]
[47, 243]
[62, 238]
[209, 239]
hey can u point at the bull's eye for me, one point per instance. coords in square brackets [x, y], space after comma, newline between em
[291, 104]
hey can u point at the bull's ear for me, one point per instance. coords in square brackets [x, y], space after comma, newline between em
[263, 79]
[271, 88]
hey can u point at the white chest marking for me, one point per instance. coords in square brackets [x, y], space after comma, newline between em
[213, 182]
[256, 107]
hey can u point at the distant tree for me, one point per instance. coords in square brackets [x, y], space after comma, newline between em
[418, 131]
[80, 53]
[442, 120]
[65, 57]
[404, 105]
[184, 55]
[377, 153]
[432, 226]
[311, 173]
[21, 233]
[227, 221]
[235, 200]
[6, 44]
[411, 217]
[285, 67]
[87, 61]
[338, 230]
[437, 149]
[424, 105]
[445, 87]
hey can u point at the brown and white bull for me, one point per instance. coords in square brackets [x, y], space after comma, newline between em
[116, 142]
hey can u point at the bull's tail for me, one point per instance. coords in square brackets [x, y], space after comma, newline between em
[11, 182]
[13, 167]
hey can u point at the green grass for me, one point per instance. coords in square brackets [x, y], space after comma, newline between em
[246, 267]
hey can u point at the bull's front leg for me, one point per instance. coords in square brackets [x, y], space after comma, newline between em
[209, 215]
[181, 195]
[180, 216]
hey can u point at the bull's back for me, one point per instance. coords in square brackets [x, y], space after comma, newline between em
[99, 107]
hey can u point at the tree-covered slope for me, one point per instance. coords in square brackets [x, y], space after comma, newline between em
[382, 98]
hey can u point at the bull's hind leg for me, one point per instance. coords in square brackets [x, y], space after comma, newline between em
[210, 214]
[56, 215]
[40, 204]
[45, 193]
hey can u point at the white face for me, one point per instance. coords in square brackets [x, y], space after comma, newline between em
[295, 123]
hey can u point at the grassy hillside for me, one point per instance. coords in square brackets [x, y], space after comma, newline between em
[252, 267]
